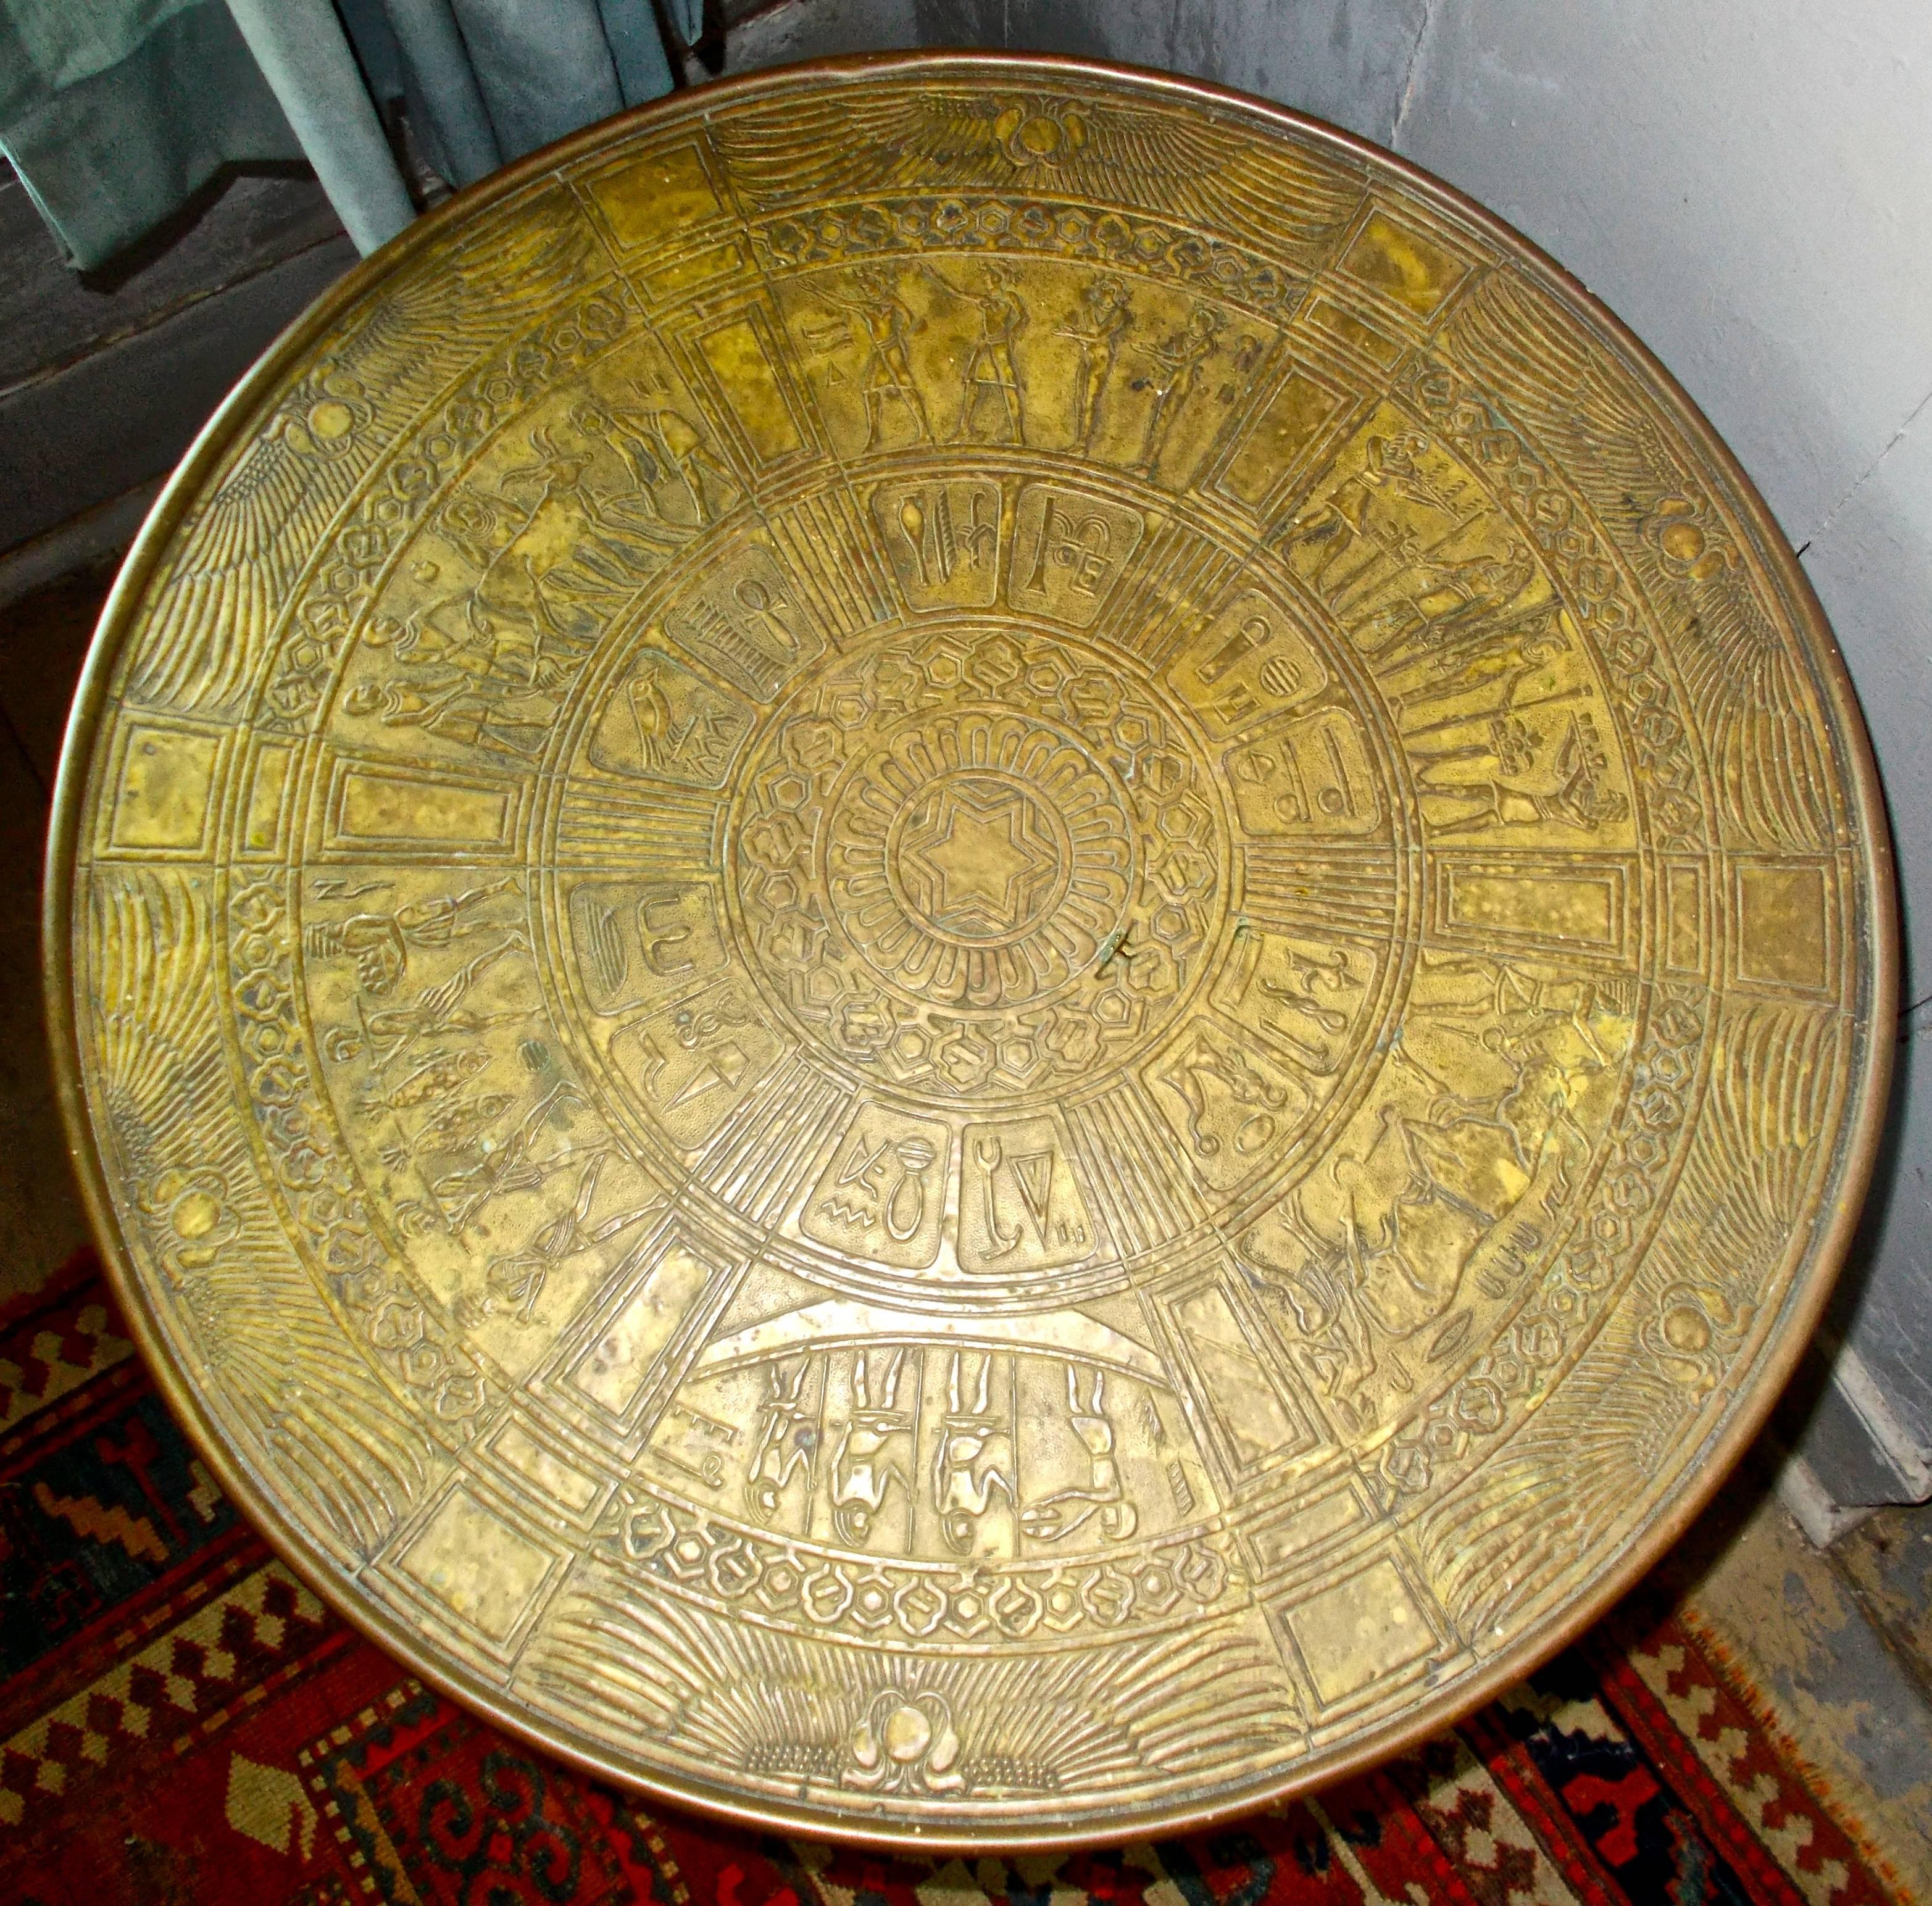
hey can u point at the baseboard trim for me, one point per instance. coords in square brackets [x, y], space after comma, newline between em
[1812, 1506]
[1863, 1391]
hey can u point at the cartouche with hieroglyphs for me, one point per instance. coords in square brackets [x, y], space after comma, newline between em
[966, 951]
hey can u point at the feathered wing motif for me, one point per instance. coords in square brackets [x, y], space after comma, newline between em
[1754, 1160]
[1507, 1539]
[1755, 710]
[1614, 1430]
[146, 960]
[1517, 343]
[1185, 168]
[211, 611]
[228, 575]
[730, 1695]
[1754, 706]
[266, 1339]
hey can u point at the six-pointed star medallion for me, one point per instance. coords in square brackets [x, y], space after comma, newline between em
[978, 858]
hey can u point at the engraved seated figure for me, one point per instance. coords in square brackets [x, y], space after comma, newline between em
[1426, 1201]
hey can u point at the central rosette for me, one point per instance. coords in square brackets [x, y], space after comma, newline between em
[980, 860]
[976, 865]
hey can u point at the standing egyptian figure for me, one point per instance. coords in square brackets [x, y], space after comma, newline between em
[990, 369]
[1108, 315]
[1177, 361]
[885, 323]
[1055, 1516]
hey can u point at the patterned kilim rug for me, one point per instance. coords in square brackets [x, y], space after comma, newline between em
[180, 1721]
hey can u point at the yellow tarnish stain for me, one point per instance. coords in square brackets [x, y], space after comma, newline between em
[736, 353]
[1394, 259]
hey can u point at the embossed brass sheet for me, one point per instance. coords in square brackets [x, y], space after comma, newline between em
[967, 949]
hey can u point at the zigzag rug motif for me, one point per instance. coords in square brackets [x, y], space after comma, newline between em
[181, 1721]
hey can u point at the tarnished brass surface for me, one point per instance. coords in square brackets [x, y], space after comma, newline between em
[969, 950]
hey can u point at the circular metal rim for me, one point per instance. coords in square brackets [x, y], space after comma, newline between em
[1868, 1103]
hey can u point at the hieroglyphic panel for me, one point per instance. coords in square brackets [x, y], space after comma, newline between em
[971, 950]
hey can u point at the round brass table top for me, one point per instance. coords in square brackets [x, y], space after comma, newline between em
[968, 950]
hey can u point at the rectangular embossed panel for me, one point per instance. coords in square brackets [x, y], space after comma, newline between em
[1559, 907]
[1255, 1425]
[1020, 1207]
[737, 352]
[1250, 662]
[1396, 261]
[167, 777]
[694, 1066]
[485, 1572]
[547, 1473]
[882, 1195]
[1345, 328]
[1288, 423]
[664, 723]
[749, 619]
[1683, 927]
[1314, 776]
[943, 540]
[1783, 937]
[635, 199]
[1069, 548]
[370, 806]
[637, 942]
[1351, 1634]
[614, 1371]
[1274, 1545]
[267, 784]
[717, 261]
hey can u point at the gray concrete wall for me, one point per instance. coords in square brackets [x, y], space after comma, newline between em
[1748, 183]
